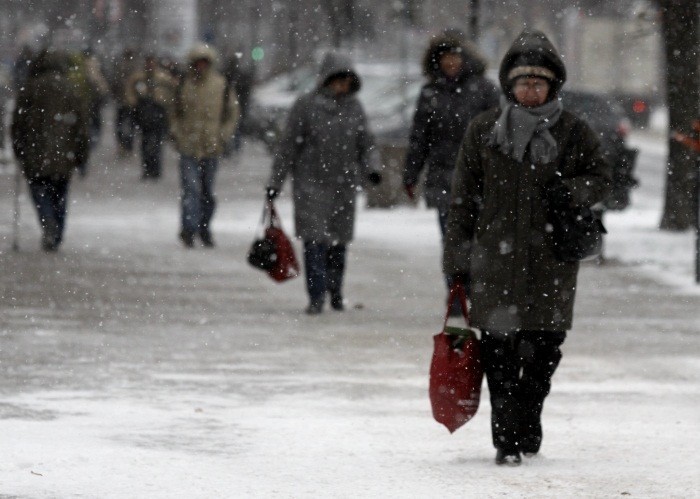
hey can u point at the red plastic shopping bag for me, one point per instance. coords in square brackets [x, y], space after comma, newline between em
[455, 371]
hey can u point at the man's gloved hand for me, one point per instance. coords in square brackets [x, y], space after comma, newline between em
[410, 191]
[272, 193]
[375, 178]
[557, 193]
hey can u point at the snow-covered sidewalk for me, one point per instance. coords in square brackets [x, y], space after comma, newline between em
[131, 367]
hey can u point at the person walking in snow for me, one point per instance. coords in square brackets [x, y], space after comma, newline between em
[150, 93]
[126, 65]
[329, 151]
[497, 241]
[50, 139]
[456, 92]
[203, 120]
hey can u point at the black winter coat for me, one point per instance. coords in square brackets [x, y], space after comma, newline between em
[445, 108]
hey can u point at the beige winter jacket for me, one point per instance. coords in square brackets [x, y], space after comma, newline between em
[202, 123]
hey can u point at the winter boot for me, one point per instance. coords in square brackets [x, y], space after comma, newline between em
[314, 308]
[508, 458]
[337, 302]
[206, 238]
[50, 236]
[187, 238]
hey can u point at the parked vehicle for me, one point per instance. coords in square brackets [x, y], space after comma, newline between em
[607, 118]
[388, 94]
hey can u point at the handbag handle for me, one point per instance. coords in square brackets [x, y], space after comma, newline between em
[457, 291]
[269, 208]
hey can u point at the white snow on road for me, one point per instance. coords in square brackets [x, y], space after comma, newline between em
[131, 367]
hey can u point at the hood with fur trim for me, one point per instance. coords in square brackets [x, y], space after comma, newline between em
[202, 51]
[474, 62]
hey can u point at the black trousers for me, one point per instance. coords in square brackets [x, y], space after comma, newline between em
[325, 268]
[519, 366]
[151, 146]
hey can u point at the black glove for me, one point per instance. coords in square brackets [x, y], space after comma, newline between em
[464, 279]
[272, 193]
[557, 193]
[375, 178]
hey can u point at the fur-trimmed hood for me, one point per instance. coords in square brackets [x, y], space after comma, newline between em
[203, 51]
[474, 62]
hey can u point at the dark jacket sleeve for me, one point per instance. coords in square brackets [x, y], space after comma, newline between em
[491, 95]
[593, 180]
[466, 200]
[18, 130]
[368, 159]
[293, 141]
[419, 140]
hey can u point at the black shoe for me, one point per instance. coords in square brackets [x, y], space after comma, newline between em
[50, 236]
[206, 238]
[508, 458]
[314, 308]
[187, 238]
[337, 302]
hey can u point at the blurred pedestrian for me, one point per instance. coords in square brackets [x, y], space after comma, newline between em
[99, 91]
[126, 65]
[150, 94]
[456, 92]
[329, 151]
[50, 138]
[203, 120]
[241, 78]
[498, 243]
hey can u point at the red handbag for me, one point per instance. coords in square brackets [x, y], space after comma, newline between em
[274, 253]
[455, 371]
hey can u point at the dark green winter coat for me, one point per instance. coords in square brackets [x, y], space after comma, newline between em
[49, 127]
[497, 229]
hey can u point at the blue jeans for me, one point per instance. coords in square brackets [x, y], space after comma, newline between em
[325, 267]
[50, 197]
[198, 203]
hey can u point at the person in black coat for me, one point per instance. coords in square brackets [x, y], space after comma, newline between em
[456, 92]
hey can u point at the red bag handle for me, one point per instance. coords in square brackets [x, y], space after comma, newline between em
[457, 291]
[269, 208]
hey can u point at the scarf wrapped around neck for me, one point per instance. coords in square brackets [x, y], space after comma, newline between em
[518, 126]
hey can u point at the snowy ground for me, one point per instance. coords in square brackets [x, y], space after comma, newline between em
[131, 367]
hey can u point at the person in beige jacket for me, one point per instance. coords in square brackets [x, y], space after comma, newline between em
[204, 119]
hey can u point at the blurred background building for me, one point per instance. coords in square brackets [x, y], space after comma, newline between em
[608, 45]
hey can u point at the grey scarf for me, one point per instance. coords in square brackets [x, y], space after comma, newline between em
[517, 127]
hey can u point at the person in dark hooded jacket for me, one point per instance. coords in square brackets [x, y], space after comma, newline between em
[498, 244]
[456, 92]
[329, 151]
[50, 139]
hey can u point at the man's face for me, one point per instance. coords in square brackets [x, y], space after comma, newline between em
[201, 65]
[451, 64]
[341, 86]
[530, 91]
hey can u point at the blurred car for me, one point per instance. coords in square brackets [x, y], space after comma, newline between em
[607, 118]
[388, 94]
